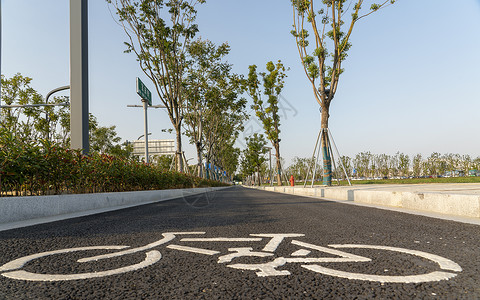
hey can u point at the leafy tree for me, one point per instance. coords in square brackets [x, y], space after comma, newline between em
[214, 111]
[33, 123]
[267, 110]
[228, 158]
[331, 36]
[163, 161]
[254, 155]
[159, 33]
[404, 164]
[347, 163]
[362, 163]
[103, 139]
[24, 123]
[417, 165]
[299, 167]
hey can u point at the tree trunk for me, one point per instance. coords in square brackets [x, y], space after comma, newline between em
[199, 160]
[327, 161]
[279, 167]
[179, 160]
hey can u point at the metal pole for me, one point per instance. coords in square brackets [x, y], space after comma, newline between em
[316, 160]
[313, 159]
[79, 75]
[0, 50]
[338, 153]
[145, 108]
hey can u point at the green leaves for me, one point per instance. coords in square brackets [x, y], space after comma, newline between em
[254, 154]
[330, 36]
[267, 109]
[46, 168]
[215, 110]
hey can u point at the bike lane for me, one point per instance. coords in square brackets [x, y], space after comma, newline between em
[242, 244]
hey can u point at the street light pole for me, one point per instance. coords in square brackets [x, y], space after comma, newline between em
[79, 75]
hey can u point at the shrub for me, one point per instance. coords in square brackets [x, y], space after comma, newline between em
[28, 168]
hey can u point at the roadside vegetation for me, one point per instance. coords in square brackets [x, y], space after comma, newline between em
[43, 168]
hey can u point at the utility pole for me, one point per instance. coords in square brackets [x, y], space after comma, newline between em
[79, 75]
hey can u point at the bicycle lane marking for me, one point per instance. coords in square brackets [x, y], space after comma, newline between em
[151, 258]
[444, 263]
[265, 269]
[269, 268]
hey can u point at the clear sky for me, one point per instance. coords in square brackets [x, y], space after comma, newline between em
[411, 81]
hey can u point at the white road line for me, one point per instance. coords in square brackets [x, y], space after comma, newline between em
[433, 276]
[192, 249]
[20, 262]
[301, 252]
[221, 239]
[241, 252]
[345, 257]
[276, 239]
[444, 263]
[151, 258]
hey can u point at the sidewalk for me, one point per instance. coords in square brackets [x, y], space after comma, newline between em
[459, 202]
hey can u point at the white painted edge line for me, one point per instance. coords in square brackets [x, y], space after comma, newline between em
[221, 239]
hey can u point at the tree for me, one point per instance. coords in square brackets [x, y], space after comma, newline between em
[163, 161]
[347, 163]
[267, 111]
[103, 139]
[330, 31]
[160, 45]
[362, 163]
[417, 165]
[214, 111]
[33, 123]
[404, 164]
[254, 155]
[25, 123]
[299, 167]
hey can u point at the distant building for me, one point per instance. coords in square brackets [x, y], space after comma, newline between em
[155, 147]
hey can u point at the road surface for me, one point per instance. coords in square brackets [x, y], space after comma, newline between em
[240, 243]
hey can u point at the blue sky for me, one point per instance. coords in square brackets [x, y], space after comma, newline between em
[410, 81]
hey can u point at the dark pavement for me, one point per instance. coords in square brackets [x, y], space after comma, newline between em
[244, 244]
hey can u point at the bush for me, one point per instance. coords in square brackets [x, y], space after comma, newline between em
[28, 168]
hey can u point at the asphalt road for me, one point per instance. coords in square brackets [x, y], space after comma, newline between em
[243, 244]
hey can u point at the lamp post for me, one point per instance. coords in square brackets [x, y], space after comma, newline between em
[79, 75]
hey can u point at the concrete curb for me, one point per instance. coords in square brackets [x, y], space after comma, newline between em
[15, 211]
[463, 205]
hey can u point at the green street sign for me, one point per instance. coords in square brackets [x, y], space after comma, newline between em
[144, 92]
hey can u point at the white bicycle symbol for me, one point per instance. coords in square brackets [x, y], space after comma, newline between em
[12, 268]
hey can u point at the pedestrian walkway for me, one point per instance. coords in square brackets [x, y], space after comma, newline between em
[458, 202]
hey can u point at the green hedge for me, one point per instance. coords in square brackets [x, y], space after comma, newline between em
[29, 168]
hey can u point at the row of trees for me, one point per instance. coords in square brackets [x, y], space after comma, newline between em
[160, 34]
[201, 94]
[191, 78]
[369, 165]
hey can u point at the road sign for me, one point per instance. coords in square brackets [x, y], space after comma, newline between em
[144, 92]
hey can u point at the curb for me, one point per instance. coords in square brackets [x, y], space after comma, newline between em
[462, 205]
[18, 212]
